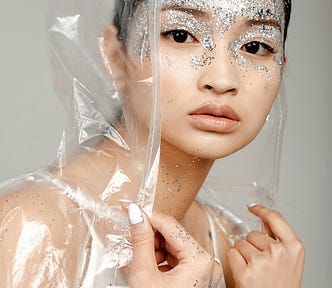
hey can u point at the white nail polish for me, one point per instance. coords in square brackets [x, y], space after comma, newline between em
[135, 214]
[252, 205]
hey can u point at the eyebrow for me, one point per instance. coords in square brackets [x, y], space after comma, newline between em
[259, 22]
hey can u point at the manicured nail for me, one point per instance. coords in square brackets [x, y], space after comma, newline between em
[252, 205]
[135, 214]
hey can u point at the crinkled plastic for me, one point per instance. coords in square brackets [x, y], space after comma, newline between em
[62, 225]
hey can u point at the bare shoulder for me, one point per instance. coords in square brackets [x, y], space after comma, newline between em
[39, 201]
[40, 225]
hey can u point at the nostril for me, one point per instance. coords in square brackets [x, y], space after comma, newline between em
[209, 87]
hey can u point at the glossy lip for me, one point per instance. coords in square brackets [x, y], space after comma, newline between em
[214, 117]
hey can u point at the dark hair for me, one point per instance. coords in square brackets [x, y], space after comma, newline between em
[124, 10]
[288, 10]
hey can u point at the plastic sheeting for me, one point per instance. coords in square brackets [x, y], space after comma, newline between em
[62, 226]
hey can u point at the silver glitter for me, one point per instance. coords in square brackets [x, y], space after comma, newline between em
[198, 62]
[209, 21]
[139, 39]
[167, 62]
[265, 34]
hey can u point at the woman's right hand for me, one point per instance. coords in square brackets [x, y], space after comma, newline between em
[165, 255]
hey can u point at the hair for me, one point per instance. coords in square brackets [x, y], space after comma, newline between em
[124, 10]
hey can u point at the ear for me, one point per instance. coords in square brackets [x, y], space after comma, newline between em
[285, 62]
[112, 49]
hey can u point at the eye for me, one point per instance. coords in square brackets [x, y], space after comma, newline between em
[180, 36]
[258, 48]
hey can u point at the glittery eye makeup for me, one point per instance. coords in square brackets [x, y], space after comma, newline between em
[181, 26]
[255, 47]
[256, 24]
[261, 41]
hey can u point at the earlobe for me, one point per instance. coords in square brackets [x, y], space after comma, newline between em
[112, 49]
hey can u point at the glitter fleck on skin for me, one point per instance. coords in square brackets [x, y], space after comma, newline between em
[219, 17]
[140, 38]
[167, 62]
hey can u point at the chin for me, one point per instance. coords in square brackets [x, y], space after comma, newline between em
[210, 151]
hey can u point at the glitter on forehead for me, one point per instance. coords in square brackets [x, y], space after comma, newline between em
[140, 41]
[225, 12]
[220, 16]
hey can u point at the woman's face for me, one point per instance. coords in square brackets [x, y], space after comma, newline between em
[221, 67]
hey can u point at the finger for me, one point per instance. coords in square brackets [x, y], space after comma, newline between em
[260, 240]
[246, 249]
[142, 239]
[236, 262]
[274, 220]
[179, 242]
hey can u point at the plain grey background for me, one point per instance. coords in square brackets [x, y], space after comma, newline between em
[31, 118]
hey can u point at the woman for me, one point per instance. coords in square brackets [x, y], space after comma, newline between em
[221, 68]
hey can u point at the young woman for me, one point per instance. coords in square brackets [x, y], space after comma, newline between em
[221, 64]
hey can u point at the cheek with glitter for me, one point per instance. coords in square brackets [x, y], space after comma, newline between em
[199, 62]
[168, 62]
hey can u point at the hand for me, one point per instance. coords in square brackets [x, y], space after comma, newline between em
[272, 260]
[169, 258]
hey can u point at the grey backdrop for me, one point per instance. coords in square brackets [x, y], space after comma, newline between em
[31, 117]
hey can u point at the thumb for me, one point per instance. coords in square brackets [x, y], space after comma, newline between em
[142, 240]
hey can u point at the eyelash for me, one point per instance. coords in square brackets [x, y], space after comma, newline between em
[267, 49]
[179, 32]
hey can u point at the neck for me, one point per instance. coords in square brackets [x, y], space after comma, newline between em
[180, 178]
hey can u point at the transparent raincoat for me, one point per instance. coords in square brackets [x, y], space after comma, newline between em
[62, 226]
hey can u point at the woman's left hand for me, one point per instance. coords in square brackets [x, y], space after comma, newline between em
[268, 260]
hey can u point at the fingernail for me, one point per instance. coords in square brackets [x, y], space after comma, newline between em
[251, 205]
[135, 214]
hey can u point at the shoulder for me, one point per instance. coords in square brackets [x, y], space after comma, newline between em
[40, 225]
[36, 199]
[29, 206]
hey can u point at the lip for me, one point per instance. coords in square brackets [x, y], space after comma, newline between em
[214, 117]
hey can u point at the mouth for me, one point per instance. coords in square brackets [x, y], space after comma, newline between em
[214, 117]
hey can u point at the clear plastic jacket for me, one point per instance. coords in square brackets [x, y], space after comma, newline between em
[62, 226]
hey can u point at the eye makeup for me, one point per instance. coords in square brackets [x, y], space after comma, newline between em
[265, 35]
[209, 21]
[202, 31]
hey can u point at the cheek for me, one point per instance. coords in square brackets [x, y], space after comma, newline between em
[138, 93]
[259, 89]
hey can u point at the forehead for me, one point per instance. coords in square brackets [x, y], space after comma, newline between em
[252, 9]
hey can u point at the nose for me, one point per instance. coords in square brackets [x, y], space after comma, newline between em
[220, 76]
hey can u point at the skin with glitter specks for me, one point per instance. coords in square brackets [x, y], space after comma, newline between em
[213, 53]
[221, 52]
